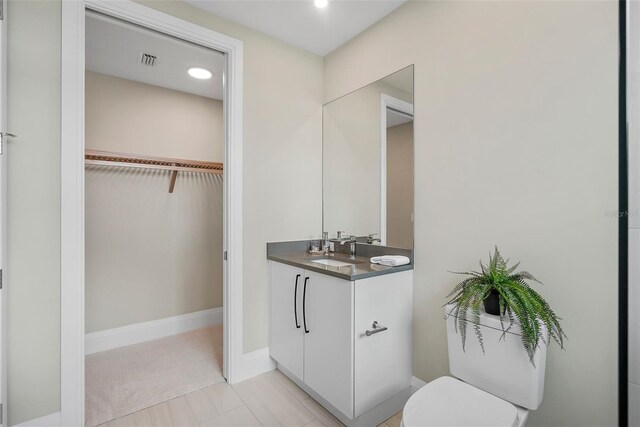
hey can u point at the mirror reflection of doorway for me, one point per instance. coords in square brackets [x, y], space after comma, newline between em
[399, 231]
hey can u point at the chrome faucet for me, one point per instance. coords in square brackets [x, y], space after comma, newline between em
[343, 238]
[352, 243]
[371, 240]
[325, 242]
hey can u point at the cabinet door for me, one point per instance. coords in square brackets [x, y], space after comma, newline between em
[328, 339]
[285, 317]
[383, 359]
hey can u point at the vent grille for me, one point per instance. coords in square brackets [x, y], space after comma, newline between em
[148, 59]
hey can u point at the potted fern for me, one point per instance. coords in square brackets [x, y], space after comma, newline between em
[505, 293]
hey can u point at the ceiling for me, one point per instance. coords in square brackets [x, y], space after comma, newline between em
[396, 118]
[115, 48]
[300, 23]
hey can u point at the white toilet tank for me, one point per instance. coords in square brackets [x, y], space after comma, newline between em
[504, 370]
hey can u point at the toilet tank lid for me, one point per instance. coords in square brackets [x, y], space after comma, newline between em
[448, 402]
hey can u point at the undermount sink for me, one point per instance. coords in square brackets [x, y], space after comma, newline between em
[332, 262]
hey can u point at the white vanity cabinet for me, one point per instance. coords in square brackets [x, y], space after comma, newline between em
[285, 320]
[325, 347]
[328, 340]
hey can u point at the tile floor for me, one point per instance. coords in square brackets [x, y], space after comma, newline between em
[270, 399]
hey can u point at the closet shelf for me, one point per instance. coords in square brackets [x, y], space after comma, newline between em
[108, 158]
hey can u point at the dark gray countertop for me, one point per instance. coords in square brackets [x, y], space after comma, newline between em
[359, 268]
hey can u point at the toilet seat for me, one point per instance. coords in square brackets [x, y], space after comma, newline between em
[448, 402]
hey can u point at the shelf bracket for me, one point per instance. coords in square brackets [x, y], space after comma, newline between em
[172, 184]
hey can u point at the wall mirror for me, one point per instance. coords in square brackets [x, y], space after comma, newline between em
[367, 162]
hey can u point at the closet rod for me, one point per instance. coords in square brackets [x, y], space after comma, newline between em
[108, 158]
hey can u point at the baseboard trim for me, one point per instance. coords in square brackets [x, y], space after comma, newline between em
[51, 420]
[256, 363]
[372, 417]
[417, 383]
[147, 331]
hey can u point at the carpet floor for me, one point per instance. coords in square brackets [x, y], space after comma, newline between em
[125, 380]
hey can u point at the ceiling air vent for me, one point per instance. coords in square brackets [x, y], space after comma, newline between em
[148, 59]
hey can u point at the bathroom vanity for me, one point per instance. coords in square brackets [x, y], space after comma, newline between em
[339, 326]
[322, 334]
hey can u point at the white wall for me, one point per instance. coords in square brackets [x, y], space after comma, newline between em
[131, 117]
[516, 145]
[150, 254]
[633, 81]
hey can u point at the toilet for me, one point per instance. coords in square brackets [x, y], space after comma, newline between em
[494, 389]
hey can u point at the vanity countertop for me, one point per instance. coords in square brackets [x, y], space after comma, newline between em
[359, 268]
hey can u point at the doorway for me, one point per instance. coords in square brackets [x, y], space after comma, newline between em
[154, 153]
[73, 187]
[396, 170]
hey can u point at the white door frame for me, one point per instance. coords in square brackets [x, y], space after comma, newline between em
[4, 134]
[387, 101]
[72, 190]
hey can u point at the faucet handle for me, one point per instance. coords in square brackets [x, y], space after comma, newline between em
[371, 239]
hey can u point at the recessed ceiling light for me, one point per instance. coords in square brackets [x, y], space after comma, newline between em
[199, 73]
[321, 3]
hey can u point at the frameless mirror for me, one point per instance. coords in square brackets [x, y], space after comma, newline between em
[367, 162]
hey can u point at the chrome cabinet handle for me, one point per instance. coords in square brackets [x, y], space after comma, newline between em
[2, 136]
[376, 328]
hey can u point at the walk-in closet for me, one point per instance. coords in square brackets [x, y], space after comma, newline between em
[154, 135]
